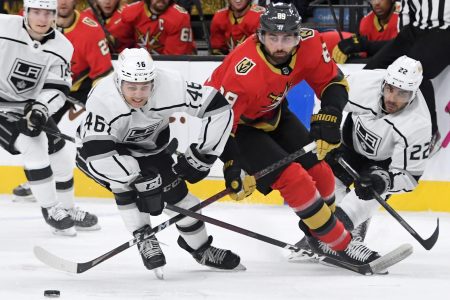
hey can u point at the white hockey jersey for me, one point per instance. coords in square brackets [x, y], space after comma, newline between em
[31, 70]
[404, 137]
[111, 124]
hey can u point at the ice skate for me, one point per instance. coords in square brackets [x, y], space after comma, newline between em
[22, 193]
[151, 253]
[59, 219]
[213, 257]
[304, 253]
[83, 220]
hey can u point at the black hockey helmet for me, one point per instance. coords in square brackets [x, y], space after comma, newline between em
[280, 17]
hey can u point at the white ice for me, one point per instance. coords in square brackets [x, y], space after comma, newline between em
[268, 275]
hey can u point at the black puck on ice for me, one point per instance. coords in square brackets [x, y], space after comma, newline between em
[51, 293]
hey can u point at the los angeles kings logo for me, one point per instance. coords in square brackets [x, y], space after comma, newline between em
[24, 76]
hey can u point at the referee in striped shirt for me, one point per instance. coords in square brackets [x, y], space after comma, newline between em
[424, 36]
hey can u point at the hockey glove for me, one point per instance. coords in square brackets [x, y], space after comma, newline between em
[376, 179]
[149, 190]
[352, 45]
[192, 165]
[325, 130]
[242, 184]
[35, 117]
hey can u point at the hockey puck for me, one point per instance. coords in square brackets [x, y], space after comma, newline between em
[52, 293]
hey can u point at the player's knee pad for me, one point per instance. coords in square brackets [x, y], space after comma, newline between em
[132, 217]
[34, 151]
[296, 186]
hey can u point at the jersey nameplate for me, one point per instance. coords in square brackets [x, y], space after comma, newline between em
[244, 66]
[24, 76]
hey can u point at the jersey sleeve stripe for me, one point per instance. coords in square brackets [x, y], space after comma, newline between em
[230, 119]
[205, 133]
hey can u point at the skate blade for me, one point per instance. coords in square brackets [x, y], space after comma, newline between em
[159, 273]
[380, 265]
[238, 268]
[65, 232]
[92, 228]
[29, 198]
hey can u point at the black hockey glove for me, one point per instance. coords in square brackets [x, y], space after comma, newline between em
[354, 44]
[192, 165]
[242, 184]
[376, 179]
[35, 117]
[325, 130]
[149, 190]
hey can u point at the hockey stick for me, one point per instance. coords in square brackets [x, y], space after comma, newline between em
[46, 129]
[338, 27]
[427, 244]
[371, 268]
[73, 267]
[201, 16]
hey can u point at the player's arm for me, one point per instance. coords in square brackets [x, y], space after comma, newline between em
[330, 86]
[217, 37]
[100, 150]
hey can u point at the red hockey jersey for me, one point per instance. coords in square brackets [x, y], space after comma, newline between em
[227, 31]
[122, 33]
[168, 33]
[255, 88]
[371, 28]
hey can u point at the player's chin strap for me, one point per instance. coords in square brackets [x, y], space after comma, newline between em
[74, 267]
[427, 244]
[51, 131]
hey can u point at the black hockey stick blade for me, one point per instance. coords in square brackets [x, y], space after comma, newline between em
[426, 243]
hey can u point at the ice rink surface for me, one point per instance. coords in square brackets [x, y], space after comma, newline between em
[269, 275]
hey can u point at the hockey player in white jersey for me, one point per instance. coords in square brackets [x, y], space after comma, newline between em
[34, 81]
[123, 141]
[385, 138]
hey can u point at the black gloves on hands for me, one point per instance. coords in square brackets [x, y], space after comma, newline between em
[242, 184]
[149, 190]
[325, 130]
[376, 179]
[192, 165]
[354, 44]
[35, 117]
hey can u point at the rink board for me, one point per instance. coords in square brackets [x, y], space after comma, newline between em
[429, 195]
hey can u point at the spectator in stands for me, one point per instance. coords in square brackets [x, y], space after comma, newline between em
[108, 13]
[232, 25]
[160, 26]
[377, 28]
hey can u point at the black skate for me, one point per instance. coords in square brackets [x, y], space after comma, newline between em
[303, 254]
[359, 233]
[59, 219]
[213, 257]
[23, 193]
[151, 252]
[83, 220]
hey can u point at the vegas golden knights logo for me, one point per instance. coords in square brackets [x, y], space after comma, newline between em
[244, 66]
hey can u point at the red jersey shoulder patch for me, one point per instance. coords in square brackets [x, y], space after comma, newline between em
[306, 33]
[89, 22]
[244, 66]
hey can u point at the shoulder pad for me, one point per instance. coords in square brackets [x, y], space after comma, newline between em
[306, 33]
[244, 66]
[180, 9]
[89, 22]
[258, 8]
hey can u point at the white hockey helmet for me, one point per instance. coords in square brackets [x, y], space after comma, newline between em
[41, 4]
[405, 73]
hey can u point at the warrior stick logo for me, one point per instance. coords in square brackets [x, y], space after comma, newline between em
[24, 76]
[244, 66]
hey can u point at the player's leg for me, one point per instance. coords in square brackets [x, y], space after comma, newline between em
[62, 162]
[36, 161]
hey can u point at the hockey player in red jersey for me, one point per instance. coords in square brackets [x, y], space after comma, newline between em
[231, 26]
[118, 33]
[375, 29]
[255, 79]
[160, 26]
